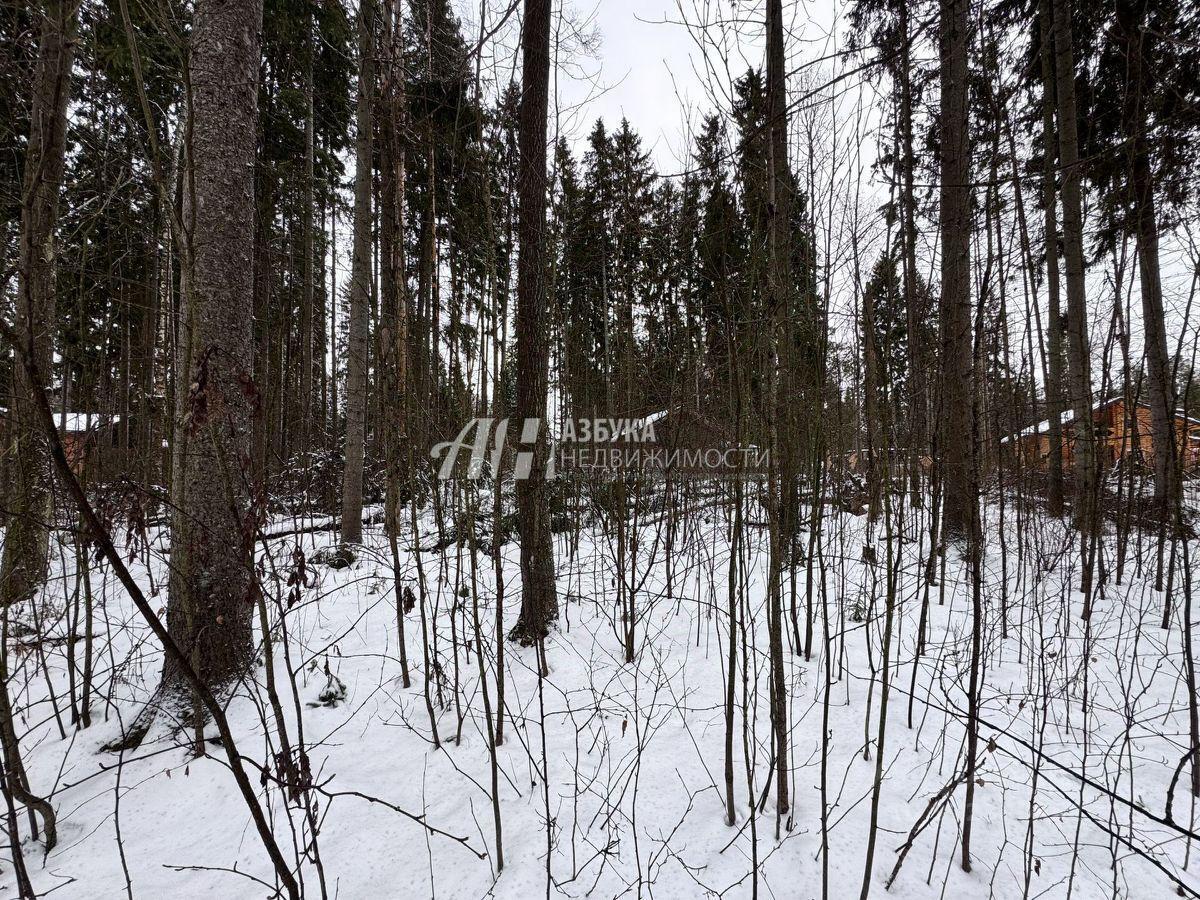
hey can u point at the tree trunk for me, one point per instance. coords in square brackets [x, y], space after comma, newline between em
[26, 540]
[918, 429]
[539, 600]
[309, 262]
[394, 314]
[212, 541]
[331, 412]
[1130, 14]
[360, 285]
[956, 461]
[1077, 334]
[1054, 376]
[960, 518]
[782, 328]
[873, 411]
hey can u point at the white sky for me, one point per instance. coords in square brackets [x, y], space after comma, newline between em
[644, 73]
[659, 63]
[648, 63]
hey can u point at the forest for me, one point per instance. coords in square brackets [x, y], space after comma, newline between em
[599, 448]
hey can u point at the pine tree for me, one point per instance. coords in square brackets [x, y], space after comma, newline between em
[539, 597]
[1054, 366]
[720, 253]
[781, 359]
[361, 278]
[956, 458]
[1079, 352]
[215, 531]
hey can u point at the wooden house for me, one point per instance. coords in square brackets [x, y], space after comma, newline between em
[1120, 435]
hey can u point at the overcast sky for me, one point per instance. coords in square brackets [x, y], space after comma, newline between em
[648, 65]
[643, 63]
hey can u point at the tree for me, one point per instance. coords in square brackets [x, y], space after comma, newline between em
[441, 119]
[913, 290]
[307, 304]
[781, 359]
[307, 55]
[1146, 96]
[957, 453]
[360, 284]
[26, 540]
[215, 527]
[394, 314]
[1079, 355]
[1054, 377]
[894, 340]
[883, 26]
[539, 600]
[720, 259]
[575, 244]
[959, 510]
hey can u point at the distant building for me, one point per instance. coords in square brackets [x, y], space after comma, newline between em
[898, 460]
[1119, 436]
[106, 448]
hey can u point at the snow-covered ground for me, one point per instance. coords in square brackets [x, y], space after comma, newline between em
[1083, 727]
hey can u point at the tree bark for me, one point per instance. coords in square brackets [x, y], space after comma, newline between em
[212, 580]
[309, 262]
[782, 444]
[539, 600]
[394, 317]
[957, 456]
[1054, 376]
[26, 539]
[917, 392]
[360, 285]
[1159, 387]
[1083, 436]
[960, 520]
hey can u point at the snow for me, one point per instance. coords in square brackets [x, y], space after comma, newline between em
[635, 752]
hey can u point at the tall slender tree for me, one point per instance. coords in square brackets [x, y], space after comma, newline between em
[918, 398]
[539, 599]
[1054, 350]
[957, 417]
[360, 283]
[1079, 353]
[26, 539]
[307, 200]
[1136, 37]
[779, 288]
[960, 504]
[214, 531]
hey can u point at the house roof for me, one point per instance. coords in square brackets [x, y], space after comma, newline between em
[1065, 418]
[1039, 428]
